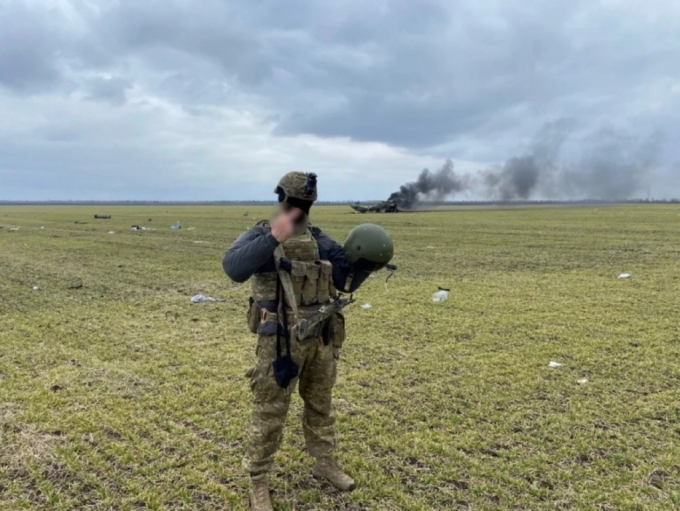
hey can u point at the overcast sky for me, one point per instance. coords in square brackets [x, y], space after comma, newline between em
[214, 99]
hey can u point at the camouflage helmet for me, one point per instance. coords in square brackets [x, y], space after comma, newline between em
[369, 247]
[298, 185]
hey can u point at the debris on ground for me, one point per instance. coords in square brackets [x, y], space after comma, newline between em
[112, 232]
[42, 226]
[555, 365]
[430, 248]
[191, 229]
[176, 226]
[36, 288]
[102, 217]
[440, 296]
[582, 381]
[200, 242]
[366, 306]
[204, 299]
[140, 228]
[624, 276]
[75, 284]
[14, 229]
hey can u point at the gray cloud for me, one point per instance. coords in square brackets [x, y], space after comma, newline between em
[468, 80]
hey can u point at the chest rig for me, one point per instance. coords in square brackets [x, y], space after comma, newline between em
[311, 279]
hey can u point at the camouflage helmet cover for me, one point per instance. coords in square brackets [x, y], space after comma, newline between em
[298, 185]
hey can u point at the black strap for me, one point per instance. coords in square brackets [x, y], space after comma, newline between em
[281, 300]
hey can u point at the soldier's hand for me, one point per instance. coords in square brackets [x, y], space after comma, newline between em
[283, 225]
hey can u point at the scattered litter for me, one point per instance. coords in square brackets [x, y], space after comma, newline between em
[204, 299]
[112, 232]
[14, 229]
[367, 306]
[36, 288]
[102, 217]
[42, 227]
[176, 226]
[191, 229]
[440, 296]
[140, 228]
[430, 248]
[200, 242]
[582, 381]
[624, 276]
[555, 365]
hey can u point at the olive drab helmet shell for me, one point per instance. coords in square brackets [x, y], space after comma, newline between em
[369, 246]
[298, 185]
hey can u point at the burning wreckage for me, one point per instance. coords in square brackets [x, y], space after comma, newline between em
[429, 186]
[386, 206]
[612, 166]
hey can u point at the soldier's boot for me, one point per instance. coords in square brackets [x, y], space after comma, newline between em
[327, 468]
[259, 493]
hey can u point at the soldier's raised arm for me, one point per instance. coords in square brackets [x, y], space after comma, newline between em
[252, 250]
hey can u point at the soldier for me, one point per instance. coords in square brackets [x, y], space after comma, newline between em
[295, 269]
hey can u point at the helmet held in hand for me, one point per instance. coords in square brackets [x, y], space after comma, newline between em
[369, 247]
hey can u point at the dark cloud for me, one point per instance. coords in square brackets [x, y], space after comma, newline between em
[107, 89]
[472, 79]
[29, 45]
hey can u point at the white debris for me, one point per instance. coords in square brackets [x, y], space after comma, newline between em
[36, 288]
[14, 229]
[624, 276]
[582, 381]
[42, 227]
[430, 248]
[440, 296]
[191, 229]
[176, 226]
[367, 306]
[112, 232]
[204, 299]
[555, 365]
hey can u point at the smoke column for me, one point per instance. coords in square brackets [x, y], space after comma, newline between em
[604, 165]
[430, 186]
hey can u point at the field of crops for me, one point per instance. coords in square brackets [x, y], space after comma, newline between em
[117, 393]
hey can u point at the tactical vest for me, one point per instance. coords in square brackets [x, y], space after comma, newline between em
[311, 277]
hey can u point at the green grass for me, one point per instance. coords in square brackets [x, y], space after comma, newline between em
[121, 395]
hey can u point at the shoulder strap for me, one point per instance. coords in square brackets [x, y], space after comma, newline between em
[286, 282]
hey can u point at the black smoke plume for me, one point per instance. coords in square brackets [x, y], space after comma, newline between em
[603, 165]
[430, 186]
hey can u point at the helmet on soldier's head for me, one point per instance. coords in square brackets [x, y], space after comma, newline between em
[368, 247]
[297, 186]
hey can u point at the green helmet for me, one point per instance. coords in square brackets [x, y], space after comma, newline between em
[298, 185]
[369, 247]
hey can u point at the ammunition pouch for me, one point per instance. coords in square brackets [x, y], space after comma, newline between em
[334, 332]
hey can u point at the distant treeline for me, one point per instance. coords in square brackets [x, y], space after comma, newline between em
[330, 203]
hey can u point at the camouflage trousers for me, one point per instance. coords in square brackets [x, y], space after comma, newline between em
[317, 365]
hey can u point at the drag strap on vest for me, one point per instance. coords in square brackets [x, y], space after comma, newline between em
[283, 268]
[285, 368]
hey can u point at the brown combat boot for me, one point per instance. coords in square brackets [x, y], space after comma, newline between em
[259, 493]
[328, 468]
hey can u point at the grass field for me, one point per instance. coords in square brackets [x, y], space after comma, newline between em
[121, 395]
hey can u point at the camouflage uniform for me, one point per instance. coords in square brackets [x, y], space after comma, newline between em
[316, 357]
